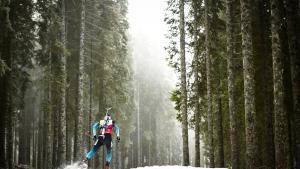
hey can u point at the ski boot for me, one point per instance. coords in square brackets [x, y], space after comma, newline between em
[85, 160]
[83, 164]
[107, 165]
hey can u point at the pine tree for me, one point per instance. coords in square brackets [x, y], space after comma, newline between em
[196, 65]
[183, 107]
[196, 106]
[61, 66]
[220, 136]
[281, 117]
[249, 85]
[232, 12]
[209, 42]
[6, 36]
[78, 142]
[293, 24]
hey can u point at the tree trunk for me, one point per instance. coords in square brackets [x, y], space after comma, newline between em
[91, 99]
[55, 108]
[73, 29]
[61, 66]
[220, 131]
[183, 107]
[219, 115]
[47, 119]
[197, 113]
[195, 6]
[267, 81]
[78, 143]
[8, 110]
[293, 24]
[5, 79]
[41, 147]
[249, 84]
[209, 19]
[139, 154]
[281, 117]
[233, 30]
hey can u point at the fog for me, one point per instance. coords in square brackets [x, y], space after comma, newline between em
[154, 81]
[147, 33]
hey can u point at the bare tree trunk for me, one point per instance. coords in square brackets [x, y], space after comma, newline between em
[197, 112]
[47, 119]
[78, 144]
[281, 118]
[55, 110]
[249, 84]
[61, 157]
[195, 6]
[209, 16]
[183, 107]
[219, 114]
[220, 131]
[34, 145]
[8, 110]
[293, 25]
[91, 98]
[70, 77]
[139, 154]
[41, 147]
[232, 13]
[2, 118]
[267, 76]
[5, 98]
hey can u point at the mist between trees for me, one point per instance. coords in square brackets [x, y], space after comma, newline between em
[63, 62]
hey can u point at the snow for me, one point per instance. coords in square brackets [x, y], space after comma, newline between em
[81, 165]
[77, 165]
[171, 167]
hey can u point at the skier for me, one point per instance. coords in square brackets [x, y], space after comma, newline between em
[102, 132]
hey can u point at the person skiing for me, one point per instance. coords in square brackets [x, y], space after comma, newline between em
[102, 135]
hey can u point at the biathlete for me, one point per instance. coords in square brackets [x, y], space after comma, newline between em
[102, 135]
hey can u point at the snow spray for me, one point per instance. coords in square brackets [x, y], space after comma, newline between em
[76, 165]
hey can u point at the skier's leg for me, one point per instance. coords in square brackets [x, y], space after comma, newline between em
[108, 153]
[94, 150]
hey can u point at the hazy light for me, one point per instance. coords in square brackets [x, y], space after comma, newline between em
[147, 31]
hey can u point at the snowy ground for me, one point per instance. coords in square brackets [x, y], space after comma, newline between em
[170, 167]
[80, 165]
[77, 165]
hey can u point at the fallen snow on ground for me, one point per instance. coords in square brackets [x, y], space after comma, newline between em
[81, 165]
[171, 167]
[77, 165]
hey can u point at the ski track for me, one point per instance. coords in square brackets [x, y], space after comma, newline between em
[172, 167]
[80, 165]
[76, 165]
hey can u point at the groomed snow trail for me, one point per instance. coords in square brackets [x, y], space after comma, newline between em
[171, 167]
[77, 165]
[80, 165]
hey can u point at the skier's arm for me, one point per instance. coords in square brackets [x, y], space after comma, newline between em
[95, 128]
[116, 129]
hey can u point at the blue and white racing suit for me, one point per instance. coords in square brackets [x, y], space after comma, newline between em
[104, 130]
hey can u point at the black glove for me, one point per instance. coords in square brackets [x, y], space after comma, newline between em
[95, 138]
[118, 138]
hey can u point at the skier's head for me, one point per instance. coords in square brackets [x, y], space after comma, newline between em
[107, 117]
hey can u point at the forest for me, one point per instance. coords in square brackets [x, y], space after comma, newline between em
[234, 101]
